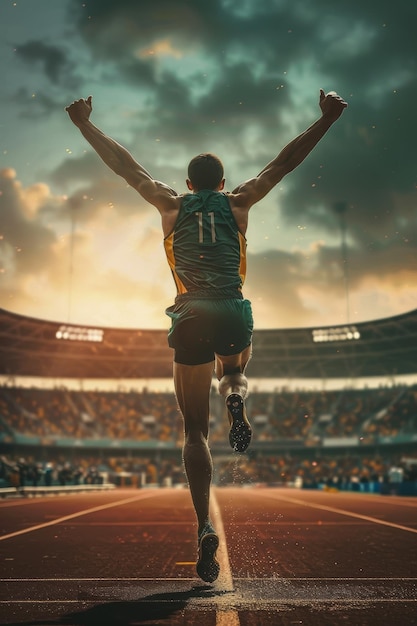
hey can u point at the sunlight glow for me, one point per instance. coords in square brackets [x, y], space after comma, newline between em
[162, 47]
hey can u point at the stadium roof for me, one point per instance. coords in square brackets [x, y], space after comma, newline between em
[33, 347]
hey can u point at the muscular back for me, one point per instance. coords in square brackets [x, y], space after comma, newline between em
[205, 248]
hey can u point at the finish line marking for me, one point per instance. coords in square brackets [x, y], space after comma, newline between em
[224, 617]
[278, 579]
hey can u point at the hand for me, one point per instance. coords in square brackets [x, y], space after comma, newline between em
[331, 105]
[80, 111]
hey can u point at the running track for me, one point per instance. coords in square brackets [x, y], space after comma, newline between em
[126, 557]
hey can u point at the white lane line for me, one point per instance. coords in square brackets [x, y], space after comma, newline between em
[59, 520]
[374, 497]
[225, 580]
[24, 502]
[10, 602]
[331, 509]
[151, 523]
[96, 580]
[50, 497]
[225, 616]
[275, 579]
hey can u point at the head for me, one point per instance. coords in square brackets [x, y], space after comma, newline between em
[205, 171]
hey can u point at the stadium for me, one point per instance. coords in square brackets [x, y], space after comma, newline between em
[315, 520]
[333, 406]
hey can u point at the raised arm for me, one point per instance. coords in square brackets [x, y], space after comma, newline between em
[253, 190]
[117, 158]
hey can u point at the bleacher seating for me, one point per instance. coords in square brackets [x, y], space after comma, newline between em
[299, 417]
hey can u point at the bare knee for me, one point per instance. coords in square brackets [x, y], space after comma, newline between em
[232, 364]
[195, 437]
[196, 452]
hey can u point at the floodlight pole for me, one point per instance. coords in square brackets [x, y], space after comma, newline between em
[71, 263]
[340, 208]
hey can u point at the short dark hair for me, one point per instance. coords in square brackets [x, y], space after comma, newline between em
[205, 171]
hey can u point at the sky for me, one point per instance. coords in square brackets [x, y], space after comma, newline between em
[333, 243]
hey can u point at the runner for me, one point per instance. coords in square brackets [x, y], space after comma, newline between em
[211, 323]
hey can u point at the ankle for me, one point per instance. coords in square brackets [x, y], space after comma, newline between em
[205, 524]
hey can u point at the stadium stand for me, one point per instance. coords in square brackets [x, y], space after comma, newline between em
[347, 438]
[31, 347]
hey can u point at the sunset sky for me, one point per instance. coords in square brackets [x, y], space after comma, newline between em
[239, 78]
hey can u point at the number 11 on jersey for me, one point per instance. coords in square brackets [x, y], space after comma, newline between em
[210, 214]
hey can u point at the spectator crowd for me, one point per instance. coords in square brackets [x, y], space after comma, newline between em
[280, 416]
[146, 416]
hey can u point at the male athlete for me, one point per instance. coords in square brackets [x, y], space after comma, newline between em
[211, 322]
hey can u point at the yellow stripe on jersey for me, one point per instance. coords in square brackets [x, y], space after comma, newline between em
[169, 251]
[242, 264]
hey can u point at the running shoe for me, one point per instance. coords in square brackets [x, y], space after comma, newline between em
[207, 565]
[240, 433]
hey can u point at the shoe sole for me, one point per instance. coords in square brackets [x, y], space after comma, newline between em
[208, 567]
[240, 434]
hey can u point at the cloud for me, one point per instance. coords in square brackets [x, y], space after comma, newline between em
[48, 72]
[93, 188]
[310, 287]
[235, 65]
[35, 105]
[22, 231]
[61, 264]
[31, 256]
[84, 259]
[240, 78]
[52, 58]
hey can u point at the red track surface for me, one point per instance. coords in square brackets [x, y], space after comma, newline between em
[287, 556]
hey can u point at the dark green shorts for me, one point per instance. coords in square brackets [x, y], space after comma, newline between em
[201, 328]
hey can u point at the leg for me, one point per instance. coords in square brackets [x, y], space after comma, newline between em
[233, 386]
[192, 387]
[230, 372]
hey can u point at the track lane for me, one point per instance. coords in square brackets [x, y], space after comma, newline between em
[336, 508]
[289, 562]
[71, 516]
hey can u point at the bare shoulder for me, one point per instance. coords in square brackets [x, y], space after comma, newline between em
[163, 197]
[169, 211]
[240, 209]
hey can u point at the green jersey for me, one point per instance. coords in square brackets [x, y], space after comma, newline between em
[206, 251]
